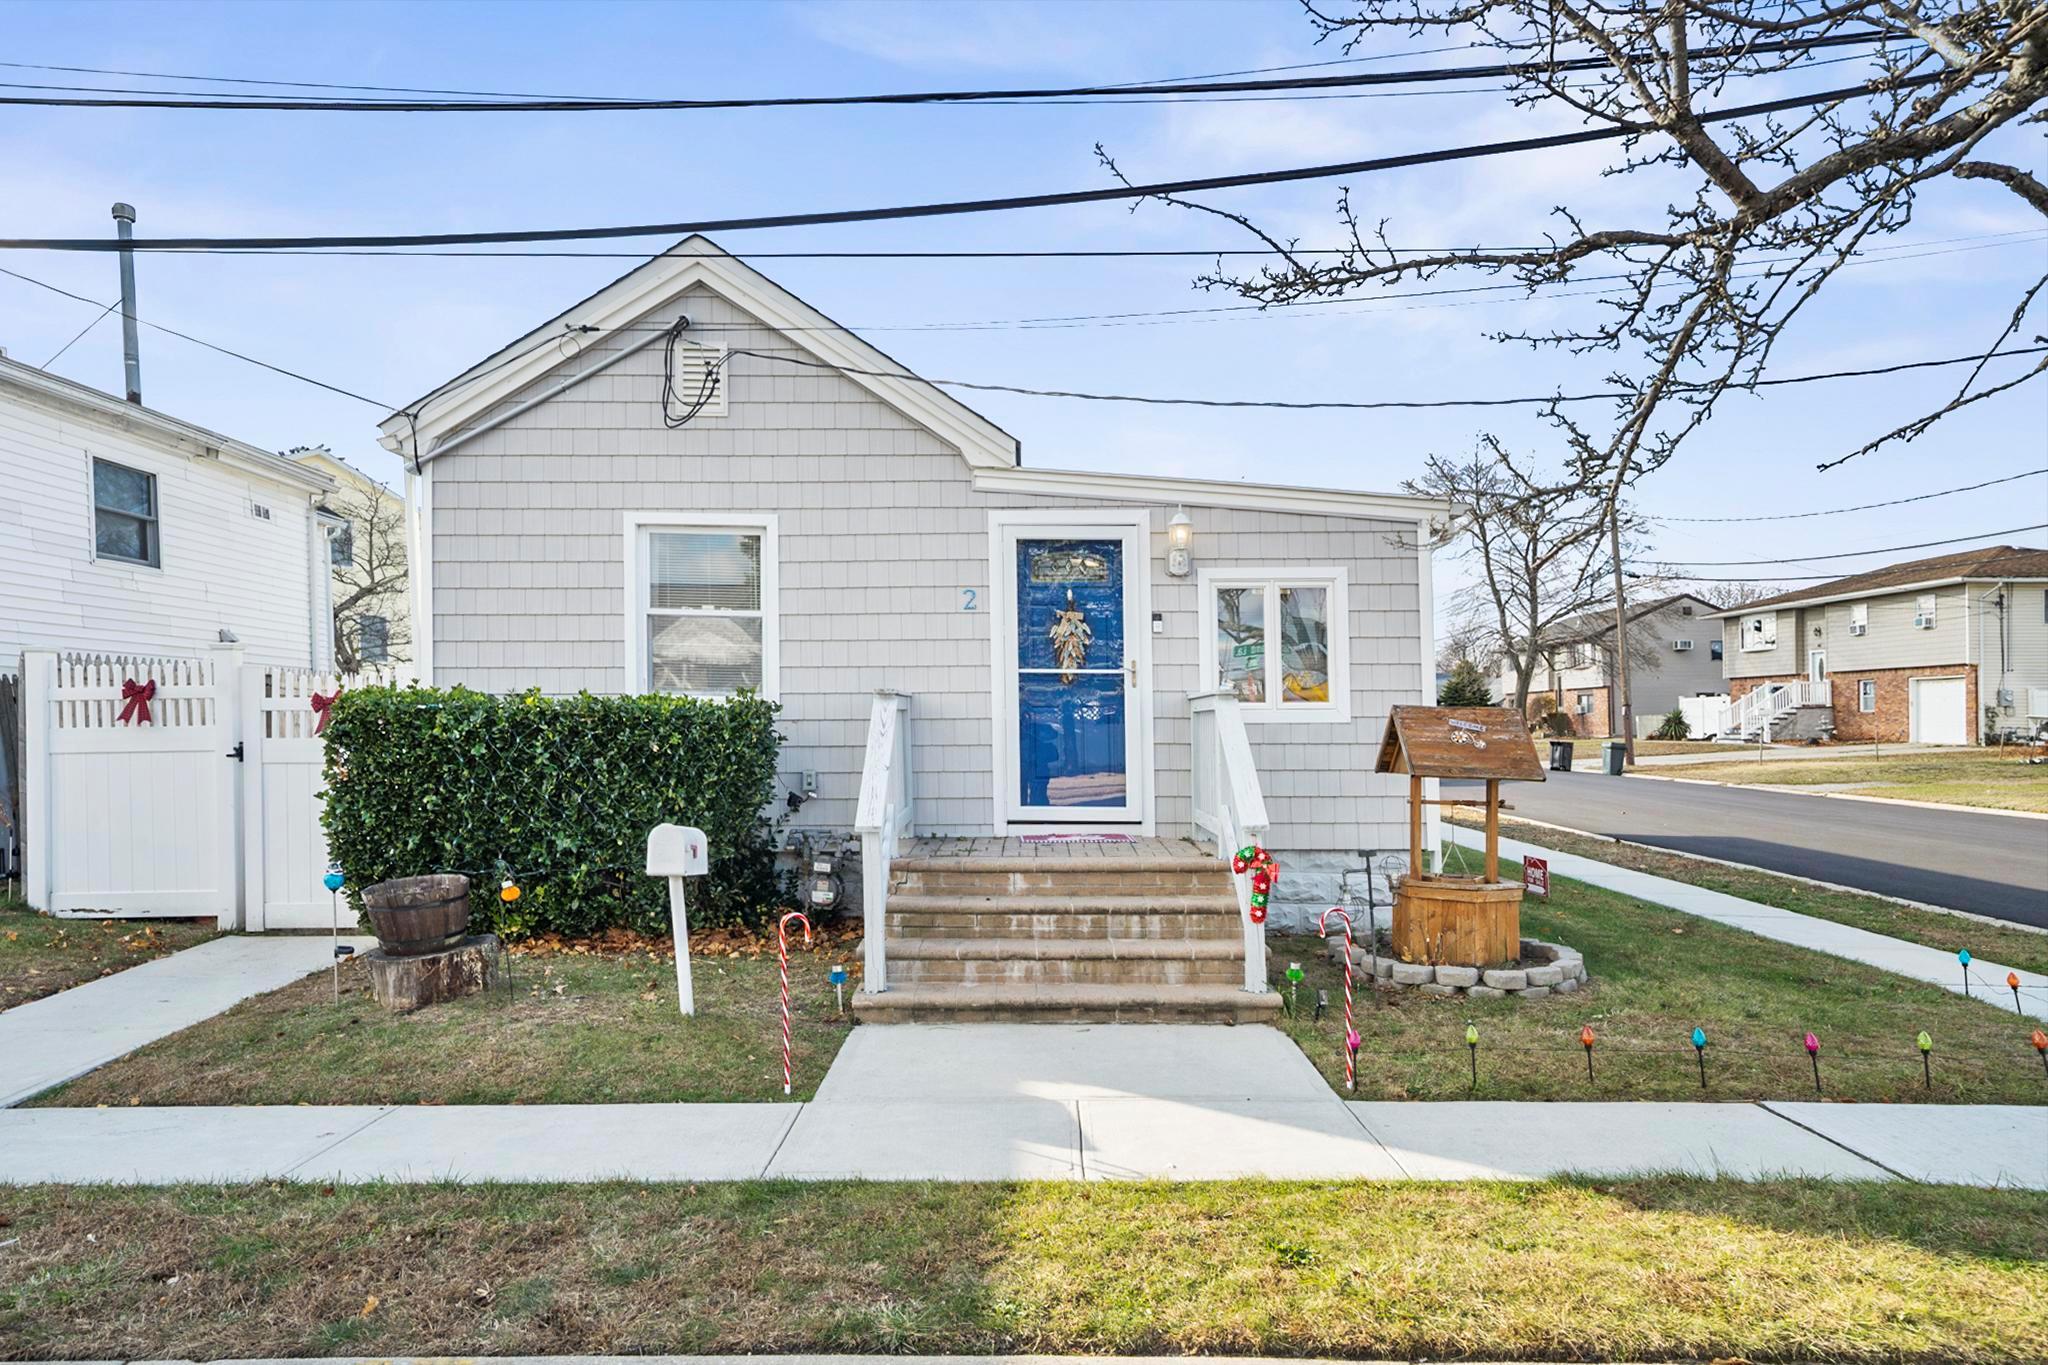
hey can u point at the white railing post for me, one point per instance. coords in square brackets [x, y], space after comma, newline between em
[38, 847]
[1224, 771]
[887, 812]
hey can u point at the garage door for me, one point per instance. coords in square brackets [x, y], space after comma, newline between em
[1939, 711]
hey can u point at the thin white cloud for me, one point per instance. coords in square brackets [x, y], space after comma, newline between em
[990, 35]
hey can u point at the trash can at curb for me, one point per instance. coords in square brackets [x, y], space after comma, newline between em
[1560, 755]
[1615, 751]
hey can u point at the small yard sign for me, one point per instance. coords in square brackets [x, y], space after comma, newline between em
[1536, 876]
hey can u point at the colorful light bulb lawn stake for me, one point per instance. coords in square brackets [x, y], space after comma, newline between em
[782, 959]
[1813, 1055]
[839, 986]
[1472, 1046]
[1586, 1042]
[1925, 1042]
[1294, 976]
[2040, 1042]
[1322, 1003]
[1964, 958]
[1350, 1029]
[1699, 1050]
[2012, 983]
[333, 882]
[508, 891]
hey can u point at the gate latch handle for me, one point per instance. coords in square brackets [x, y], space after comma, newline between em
[235, 753]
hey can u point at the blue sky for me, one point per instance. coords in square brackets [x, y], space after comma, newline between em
[394, 328]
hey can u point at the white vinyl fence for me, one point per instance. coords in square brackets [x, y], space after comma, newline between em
[210, 806]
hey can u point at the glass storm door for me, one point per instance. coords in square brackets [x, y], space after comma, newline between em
[1076, 677]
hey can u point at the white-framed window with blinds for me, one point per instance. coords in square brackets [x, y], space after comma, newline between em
[701, 603]
[1279, 640]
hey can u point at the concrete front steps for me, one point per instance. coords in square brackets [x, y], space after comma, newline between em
[1064, 940]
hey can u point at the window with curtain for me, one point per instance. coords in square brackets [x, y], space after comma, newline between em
[1278, 643]
[705, 626]
[124, 519]
[373, 640]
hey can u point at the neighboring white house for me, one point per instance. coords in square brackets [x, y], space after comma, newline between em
[126, 530]
[370, 591]
[789, 510]
[1947, 650]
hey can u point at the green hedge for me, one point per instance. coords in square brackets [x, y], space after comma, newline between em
[559, 793]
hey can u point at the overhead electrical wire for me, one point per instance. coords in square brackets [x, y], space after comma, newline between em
[529, 95]
[1864, 507]
[1147, 90]
[1351, 404]
[1105, 194]
[1149, 399]
[1855, 554]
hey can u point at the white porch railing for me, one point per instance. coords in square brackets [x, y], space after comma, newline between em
[887, 816]
[1762, 707]
[1229, 805]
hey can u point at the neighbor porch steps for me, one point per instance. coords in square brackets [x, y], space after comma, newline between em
[1132, 938]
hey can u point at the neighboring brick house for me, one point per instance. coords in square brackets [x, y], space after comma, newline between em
[1915, 652]
[1675, 651]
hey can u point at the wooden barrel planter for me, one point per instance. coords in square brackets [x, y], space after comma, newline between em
[1457, 921]
[412, 916]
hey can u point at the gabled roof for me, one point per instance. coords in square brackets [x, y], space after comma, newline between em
[694, 261]
[1591, 625]
[170, 432]
[1988, 562]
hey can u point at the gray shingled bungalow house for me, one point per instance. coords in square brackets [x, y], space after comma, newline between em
[693, 481]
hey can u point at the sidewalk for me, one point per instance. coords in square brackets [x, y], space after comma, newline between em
[1784, 753]
[1931, 965]
[49, 1041]
[1034, 1102]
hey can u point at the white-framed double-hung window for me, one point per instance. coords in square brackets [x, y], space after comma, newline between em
[1279, 640]
[701, 616]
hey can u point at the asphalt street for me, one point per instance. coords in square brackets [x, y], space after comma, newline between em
[1995, 865]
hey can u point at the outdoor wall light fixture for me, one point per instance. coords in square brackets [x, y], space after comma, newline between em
[1180, 540]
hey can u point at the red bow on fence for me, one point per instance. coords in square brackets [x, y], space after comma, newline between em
[321, 706]
[136, 697]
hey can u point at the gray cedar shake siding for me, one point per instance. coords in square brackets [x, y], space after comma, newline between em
[879, 529]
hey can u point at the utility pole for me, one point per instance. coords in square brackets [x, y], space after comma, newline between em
[1621, 706]
[131, 349]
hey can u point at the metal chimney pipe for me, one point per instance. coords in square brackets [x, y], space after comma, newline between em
[131, 350]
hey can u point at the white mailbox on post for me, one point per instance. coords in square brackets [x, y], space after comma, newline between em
[676, 852]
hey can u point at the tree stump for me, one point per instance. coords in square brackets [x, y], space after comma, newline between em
[404, 984]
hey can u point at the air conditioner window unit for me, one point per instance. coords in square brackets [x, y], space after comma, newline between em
[1681, 645]
[1858, 627]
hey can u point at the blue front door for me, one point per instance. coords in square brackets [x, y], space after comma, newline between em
[1076, 679]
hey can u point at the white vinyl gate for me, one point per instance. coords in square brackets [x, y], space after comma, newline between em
[211, 808]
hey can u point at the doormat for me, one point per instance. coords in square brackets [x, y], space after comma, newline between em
[1077, 838]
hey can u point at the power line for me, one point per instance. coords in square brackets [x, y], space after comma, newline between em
[956, 207]
[1352, 405]
[1868, 506]
[198, 341]
[529, 95]
[1146, 91]
[1859, 554]
[80, 335]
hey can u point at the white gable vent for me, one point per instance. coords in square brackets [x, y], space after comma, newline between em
[695, 379]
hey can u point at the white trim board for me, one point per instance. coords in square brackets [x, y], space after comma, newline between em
[697, 261]
[1003, 653]
[767, 523]
[1163, 491]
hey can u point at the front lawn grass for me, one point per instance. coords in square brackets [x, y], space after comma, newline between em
[1995, 778]
[581, 1025]
[1656, 975]
[1644, 1269]
[2012, 945]
[41, 955]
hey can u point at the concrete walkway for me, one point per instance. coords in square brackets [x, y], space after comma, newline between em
[1935, 966]
[1782, 753]
[49, 1041]
[1033, 1102]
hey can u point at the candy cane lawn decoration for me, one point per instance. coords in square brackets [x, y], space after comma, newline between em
[782, 952]
[1350, 1033]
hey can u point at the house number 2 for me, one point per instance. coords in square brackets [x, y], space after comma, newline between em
[967, 600]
